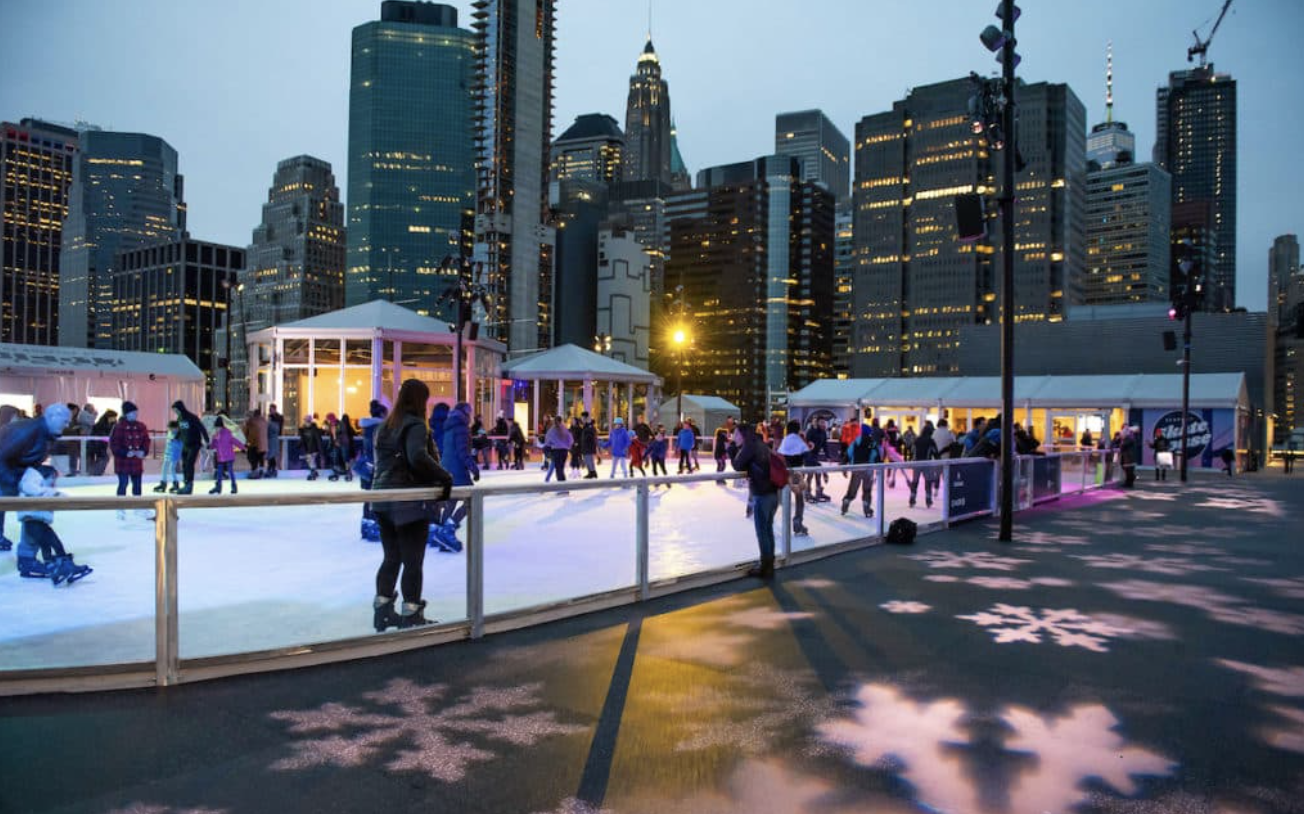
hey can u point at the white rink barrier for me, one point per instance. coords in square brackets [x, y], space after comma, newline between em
[966, 488]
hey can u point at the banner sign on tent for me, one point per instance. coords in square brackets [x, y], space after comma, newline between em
[1208, 432]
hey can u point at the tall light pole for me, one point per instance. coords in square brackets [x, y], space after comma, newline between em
[468, 290]
[680, 339]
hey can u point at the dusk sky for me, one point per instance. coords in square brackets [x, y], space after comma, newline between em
[237, 85]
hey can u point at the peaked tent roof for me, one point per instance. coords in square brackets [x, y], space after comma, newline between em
[46, 357]
[710, 403]
[571, 362]
[374, 314]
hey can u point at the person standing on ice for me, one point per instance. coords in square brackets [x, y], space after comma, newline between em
[193, 438]
[754, 458]
[456, 458]
[405, 459]
[25, 443]
[310, 445]
[255, 430]
[275, 426]
[684, 441]
[589, 446]
[224, 446]
[129, 443]
[558, 442]
[618, 442]
[171, 460]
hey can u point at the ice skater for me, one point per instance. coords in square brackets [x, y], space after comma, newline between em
[456, 458]
[656, 453]
[558, 443]
[310, 444]
[171, 460]
[795, 449]
[618, 442]
[194, 437]
[864, 450]
[129, 443]
[56, 563]
[224, 446]
[27, 442]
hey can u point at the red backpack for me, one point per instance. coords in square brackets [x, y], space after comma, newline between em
[778, 471]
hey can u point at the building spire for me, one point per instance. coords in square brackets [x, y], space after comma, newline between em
[649, 20]
[1109, 83]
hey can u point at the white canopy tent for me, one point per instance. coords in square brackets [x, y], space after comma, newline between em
[1042, 402]
[42, 374]
[708, 412]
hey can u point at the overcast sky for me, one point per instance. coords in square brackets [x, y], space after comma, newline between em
[237, 85]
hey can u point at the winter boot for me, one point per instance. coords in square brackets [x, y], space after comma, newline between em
[385, 616]
[868, 511]
[234, 491]
[33, 568]
[763, 571]
[414, 615]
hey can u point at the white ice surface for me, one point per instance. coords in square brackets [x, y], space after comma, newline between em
[259, 578]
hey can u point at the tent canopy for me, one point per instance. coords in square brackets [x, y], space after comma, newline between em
[573, 363]
[83, 362]
[370, 315]
[1208, 390]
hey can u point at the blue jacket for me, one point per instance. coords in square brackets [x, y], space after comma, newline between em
[657, 449]
[455, 450]
[438, 417]
[686, 439]
[23, 443]
[619, 442]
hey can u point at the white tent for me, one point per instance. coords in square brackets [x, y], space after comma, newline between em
[708, 412]
[572, 364]
[41, 374]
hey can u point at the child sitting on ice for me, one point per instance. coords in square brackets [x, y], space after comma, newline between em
[55, 562]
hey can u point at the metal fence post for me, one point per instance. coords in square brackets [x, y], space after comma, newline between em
[880, 485]
[785, 539]
[167, 657]
[640, 541]
[475, 565]
[944, 494]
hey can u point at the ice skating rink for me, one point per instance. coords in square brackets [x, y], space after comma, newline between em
[259, 578]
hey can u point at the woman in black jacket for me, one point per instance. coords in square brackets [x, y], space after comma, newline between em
[405, 459]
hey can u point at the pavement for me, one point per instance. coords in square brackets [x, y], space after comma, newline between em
[1131, 651]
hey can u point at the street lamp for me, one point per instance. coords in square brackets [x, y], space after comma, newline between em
[469, 290]
[680, 338]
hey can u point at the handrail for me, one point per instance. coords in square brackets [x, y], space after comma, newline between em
[169, 668]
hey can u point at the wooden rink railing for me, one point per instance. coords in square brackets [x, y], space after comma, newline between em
[168, 668]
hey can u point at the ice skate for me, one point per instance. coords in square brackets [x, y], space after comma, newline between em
[869, 512]
[846, 504]
[161, 488]
[6, 544]
[312, 475]
[234, 491]
[65, 569]
[385, 617]
[145, 514]
[176, 488]
[33, 568]
[333, 477]
[216, 490]
[414, 615]
[370, 530]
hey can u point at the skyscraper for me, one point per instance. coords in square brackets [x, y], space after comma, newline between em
[1286, 327]
[1195, 141]
[824, 152]
[411, 160]
[756, 264]
[590, 150]
[36, 161]
[844, 270]
[295, 262]
[514, 52]
[1128, 218]
[172, 297]
[647, 122]
[1283, 272]
[126, 192]
[680, 179]
[915, 283]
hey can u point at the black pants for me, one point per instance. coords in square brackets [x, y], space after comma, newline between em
[134, 477]
[188, 456]
[405, 548]
[684, 462]
[659, 462]
[559, 457]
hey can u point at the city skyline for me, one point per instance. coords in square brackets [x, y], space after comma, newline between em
[230, 125]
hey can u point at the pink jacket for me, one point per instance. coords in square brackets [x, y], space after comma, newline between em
[224, 445]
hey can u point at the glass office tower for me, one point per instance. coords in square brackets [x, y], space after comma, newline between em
[411, 176]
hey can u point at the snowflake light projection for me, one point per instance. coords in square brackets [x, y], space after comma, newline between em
[572, 805]
[1045, 538]
[1187, 549]
[1288, 681]
[149, 808]
[1067, 627]
[978, 559]
[1215, 604]
[756, 618]
[903, 606]
[1291, 588]
[1002, 583]
[1251, 503]
[414, 738]
[928, 745]
[1172, 566]
[813, 582]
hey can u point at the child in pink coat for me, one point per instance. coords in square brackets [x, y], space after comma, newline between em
[224, 445]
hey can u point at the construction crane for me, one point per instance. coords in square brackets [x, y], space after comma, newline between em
[1201, 46]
